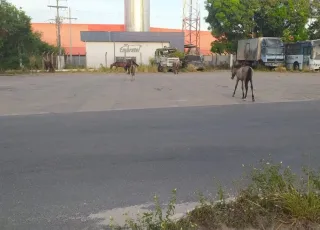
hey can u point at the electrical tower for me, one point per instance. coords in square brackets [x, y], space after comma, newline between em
[191, 24]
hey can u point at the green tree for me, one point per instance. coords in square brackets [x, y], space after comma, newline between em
[231, 20]
[314, 27]
[17, 40]
[283, 18]
[178, 54]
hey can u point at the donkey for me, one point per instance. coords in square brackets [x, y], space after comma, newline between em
[131, 68]
[176, 66]
[244, 74]
[119, 64]
[48, 65]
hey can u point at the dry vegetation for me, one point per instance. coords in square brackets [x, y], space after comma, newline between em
[274, 198]
[152, 68]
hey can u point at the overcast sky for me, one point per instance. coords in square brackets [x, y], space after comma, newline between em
[164, 13]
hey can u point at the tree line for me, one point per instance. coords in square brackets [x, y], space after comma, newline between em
[231, 20]
[19, 45]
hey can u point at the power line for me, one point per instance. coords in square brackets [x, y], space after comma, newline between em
[58, 25]
[70, 31]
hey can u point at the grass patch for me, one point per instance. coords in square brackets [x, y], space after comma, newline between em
[274, 198]
[151, 68]
[191, 68]
[148, 68]
[281, 69]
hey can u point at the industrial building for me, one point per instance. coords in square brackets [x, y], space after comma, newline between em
[137, 42]
[104, 48]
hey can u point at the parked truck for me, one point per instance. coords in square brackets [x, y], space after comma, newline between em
[267, 51]
[163, 59]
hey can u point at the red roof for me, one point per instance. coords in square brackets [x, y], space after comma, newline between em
[48, 32]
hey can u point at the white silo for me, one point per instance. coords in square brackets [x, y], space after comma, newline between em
[137, 15]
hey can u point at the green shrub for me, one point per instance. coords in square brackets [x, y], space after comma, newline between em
[275, 198]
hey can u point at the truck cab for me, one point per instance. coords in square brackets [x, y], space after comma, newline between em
[163, 59]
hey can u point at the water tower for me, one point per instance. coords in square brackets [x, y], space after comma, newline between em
[137, 15]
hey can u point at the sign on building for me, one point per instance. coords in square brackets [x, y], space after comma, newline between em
[130, 49]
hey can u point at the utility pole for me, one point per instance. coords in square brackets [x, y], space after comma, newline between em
[70, 31]
[58, 25]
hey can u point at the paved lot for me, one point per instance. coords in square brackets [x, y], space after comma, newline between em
[61, 171]
[62, 93]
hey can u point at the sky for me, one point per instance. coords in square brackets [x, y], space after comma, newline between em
[164, 13]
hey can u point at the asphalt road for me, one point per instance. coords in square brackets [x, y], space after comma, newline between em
[57, 169]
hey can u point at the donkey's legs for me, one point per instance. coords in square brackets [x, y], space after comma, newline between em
[246, 86]
[235, 88]
[252, 90]
[242, 90]
[133, 70]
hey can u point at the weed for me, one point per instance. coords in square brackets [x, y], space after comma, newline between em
[275, 198]
[191, 68]
[147, 69]
[281, 69]
[157, 219]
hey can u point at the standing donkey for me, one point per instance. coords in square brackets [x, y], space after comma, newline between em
[176, 66]
[244, 74]
[131, 68]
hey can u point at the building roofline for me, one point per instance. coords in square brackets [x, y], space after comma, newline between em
[110, 36]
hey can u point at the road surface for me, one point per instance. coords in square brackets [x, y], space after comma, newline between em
[75, 152]
[59, 170]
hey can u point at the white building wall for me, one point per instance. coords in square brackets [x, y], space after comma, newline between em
[105, 53]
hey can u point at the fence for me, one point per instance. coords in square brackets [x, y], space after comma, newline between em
[216, 60]
[77, 61]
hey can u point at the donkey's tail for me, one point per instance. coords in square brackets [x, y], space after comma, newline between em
[250, 72]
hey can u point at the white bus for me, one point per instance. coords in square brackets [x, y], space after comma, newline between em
[303, 55]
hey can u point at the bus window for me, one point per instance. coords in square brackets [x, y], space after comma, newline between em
[293, 49]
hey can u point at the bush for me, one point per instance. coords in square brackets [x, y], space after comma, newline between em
[178, 54]
[281, 69]
[152, 61]
[147, 69]
[191, 68]
[275, 198]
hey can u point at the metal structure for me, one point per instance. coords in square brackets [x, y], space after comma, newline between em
[58, 21]
[70, 34]
[191, 24]
[137, 15]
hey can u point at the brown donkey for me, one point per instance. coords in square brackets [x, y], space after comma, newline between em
[244, 74]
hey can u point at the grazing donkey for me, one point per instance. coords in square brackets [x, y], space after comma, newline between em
[119, 64]
[176, 66]
[244, 74]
